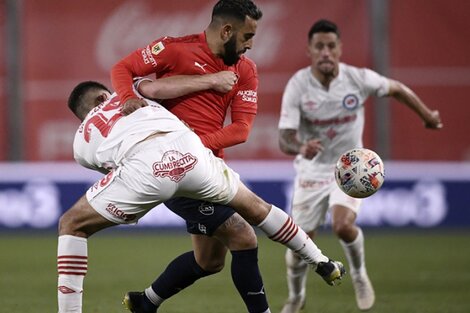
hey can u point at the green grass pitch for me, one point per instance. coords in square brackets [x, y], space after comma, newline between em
[412, 271]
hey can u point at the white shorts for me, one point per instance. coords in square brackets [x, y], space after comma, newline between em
[314, 195]
[155, 170]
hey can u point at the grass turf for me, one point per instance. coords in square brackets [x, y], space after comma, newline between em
[412, 271]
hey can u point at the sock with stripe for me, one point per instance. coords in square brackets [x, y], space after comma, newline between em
[281, 228]
[72, 264]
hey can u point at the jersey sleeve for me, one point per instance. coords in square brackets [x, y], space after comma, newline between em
[156, 58]
[290, 105]
[245, 97]
[374, 83]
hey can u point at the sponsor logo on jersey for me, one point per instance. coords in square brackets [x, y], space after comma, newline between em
[335, 120]
[206, 208]
[174, 165]
[350, 102]
[310, 105]
[201, 66]
[116, 212]
[157, 48]
[147, 57]
[248, 95]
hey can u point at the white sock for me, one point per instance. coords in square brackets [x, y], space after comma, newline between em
[281, 228]
[153, 297]
[297, 271]
[354, 252]
[72, 263]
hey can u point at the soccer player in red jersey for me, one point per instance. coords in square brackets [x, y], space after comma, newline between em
[214, 228]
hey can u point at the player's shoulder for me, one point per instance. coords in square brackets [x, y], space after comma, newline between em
[182, 40]
[301, 76]
[245, 64]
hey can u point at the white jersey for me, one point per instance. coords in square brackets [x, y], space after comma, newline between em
[335, 116]
[105, 135]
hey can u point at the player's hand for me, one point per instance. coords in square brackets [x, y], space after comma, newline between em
[311, 148]
[132, 104]
[433, 121]
[224, 81]
[332, 272]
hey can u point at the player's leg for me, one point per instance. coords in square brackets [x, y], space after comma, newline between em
[309, 208]
[75, 226]
[280, 228]
[214, 228]
[344, 213]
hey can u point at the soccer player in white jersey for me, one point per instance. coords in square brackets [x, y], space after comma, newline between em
[150, 156]
[322, 116]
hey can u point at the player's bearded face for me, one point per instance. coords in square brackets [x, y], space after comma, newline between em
[231, 55]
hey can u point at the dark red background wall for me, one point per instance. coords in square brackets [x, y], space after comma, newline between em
[65, 42]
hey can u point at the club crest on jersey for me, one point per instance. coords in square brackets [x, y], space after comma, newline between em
[350, 102]
[157, 48]
[174, 165]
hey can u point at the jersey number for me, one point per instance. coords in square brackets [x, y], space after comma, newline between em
[101, 122]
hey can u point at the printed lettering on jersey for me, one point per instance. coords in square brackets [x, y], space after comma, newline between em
[174, 165]
[248, 95]
[310, 105]
[157, 48]
[97, 187]
[350, 102]
[102, 123]
[116, 212]
[147, 57]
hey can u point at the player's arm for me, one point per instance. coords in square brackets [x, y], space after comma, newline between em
[181, 85]
[405, 95]
[244, 107]
[141, 62]
[233, 134]
[290, 144]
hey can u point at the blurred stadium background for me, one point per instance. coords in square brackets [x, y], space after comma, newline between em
[417, 225]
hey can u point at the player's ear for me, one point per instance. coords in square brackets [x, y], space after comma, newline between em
[101, 98]
[226, 32]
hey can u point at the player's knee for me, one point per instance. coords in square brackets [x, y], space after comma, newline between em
[67, 224]
[237, 234]
[292, 259]
[342, 228]
[211, 265]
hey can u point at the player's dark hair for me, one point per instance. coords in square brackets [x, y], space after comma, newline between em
[323, 26]
[76, 99]
[237, 9]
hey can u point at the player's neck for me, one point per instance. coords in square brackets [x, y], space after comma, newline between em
[212, 41]
[324, 79]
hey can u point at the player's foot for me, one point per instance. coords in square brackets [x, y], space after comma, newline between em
[331, 272]
[365, 295]
[293, 305]
[135, 302]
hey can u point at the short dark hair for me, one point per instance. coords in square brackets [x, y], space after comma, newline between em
[323, 26]
[237, 9]
[75, 102]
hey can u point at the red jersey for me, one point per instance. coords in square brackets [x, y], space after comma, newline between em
[204, 111]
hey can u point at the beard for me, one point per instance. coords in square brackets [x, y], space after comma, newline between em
[231, 56]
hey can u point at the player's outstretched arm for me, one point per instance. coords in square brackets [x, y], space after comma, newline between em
[181, 85]
[402, 93]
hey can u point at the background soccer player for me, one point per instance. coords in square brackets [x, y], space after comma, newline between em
[322, 116]
[219, 48]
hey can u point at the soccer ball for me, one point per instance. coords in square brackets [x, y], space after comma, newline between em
[359, 172]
